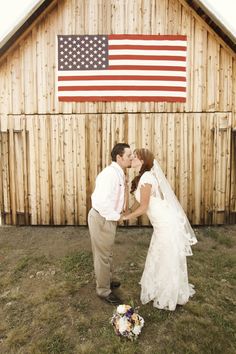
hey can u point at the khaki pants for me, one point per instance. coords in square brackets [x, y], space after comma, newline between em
[102, 234]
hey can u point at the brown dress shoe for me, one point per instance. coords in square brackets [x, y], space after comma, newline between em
[115, 284]
[112, 299]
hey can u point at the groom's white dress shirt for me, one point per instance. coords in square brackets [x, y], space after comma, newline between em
[108, 196]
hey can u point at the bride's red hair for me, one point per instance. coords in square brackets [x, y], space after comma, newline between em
[148, 158]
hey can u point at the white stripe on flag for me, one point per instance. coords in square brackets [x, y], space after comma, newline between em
[121, 72]
[122, 83]
[134, 42]
[122, 93]
[147, 52]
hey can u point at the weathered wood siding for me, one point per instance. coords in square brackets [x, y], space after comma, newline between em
[51, 152]
[48, 166]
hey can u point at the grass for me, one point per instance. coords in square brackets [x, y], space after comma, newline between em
[49, 305]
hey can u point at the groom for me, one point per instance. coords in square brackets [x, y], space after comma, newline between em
[107, 206]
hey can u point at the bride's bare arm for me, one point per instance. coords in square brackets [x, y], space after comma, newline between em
[145, 192]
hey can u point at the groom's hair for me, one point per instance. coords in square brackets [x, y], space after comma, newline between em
[118, 149]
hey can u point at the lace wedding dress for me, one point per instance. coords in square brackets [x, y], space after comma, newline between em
[165, 277]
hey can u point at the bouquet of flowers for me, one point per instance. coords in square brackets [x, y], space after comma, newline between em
[127, 322]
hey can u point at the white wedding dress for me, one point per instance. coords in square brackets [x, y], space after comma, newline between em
[165, 278]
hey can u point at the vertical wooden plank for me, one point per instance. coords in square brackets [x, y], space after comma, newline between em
[6, 178]
[33, 106]
[233, 149]
[198, 73]
[58, 192]
[81, 170]
[164, 143]
[117, 129]
[225, 85]
[197, 167]
[233, 178]
[131, 139]
[222, 168]
[145, 19]
[49, 166]
[69, 171]
[25, 169]
[207, 148]
[4, 122]
[171, 150]
[51, 65]
[41, 72]
[12, 170]
[92, 13]
[174, 17]
[4, 83]
[144, 131]
[42, 156]
[191, 66]
[183, 162]
[33, 170]
[145, 141]
[212, 80]
[177, 148]
[93, 133]
[15, 97]
[1, 181]
[29, 76]
[75, 165]
[190, 169]
[18, 170]
[234, 93]
[161, 16]
[203, 68]
[106, 140]
[60, 180]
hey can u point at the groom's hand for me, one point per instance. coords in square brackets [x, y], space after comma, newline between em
[121, 220]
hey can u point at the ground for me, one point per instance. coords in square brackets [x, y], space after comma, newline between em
[49, 305]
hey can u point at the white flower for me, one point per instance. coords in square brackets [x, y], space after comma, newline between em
[121, 309]
[123, 324]
[136, 330]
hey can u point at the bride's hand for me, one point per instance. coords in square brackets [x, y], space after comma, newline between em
[122, 218]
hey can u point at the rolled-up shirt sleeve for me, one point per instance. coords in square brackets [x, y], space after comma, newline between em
[108, 191]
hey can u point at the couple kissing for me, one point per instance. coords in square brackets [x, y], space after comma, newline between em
[165, 278]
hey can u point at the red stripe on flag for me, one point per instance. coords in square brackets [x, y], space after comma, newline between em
[147, 57]
[121, 77]
[146, 47]
[147, 36]
[121, 98]
[119, 88]
[146, 67]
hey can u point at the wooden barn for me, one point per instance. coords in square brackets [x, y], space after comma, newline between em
[51, 150]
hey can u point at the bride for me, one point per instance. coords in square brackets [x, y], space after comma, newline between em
[165, 277]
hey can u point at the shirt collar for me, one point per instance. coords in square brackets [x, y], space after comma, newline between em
[117, 166]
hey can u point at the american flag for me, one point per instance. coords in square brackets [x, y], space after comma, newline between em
[122, 68]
